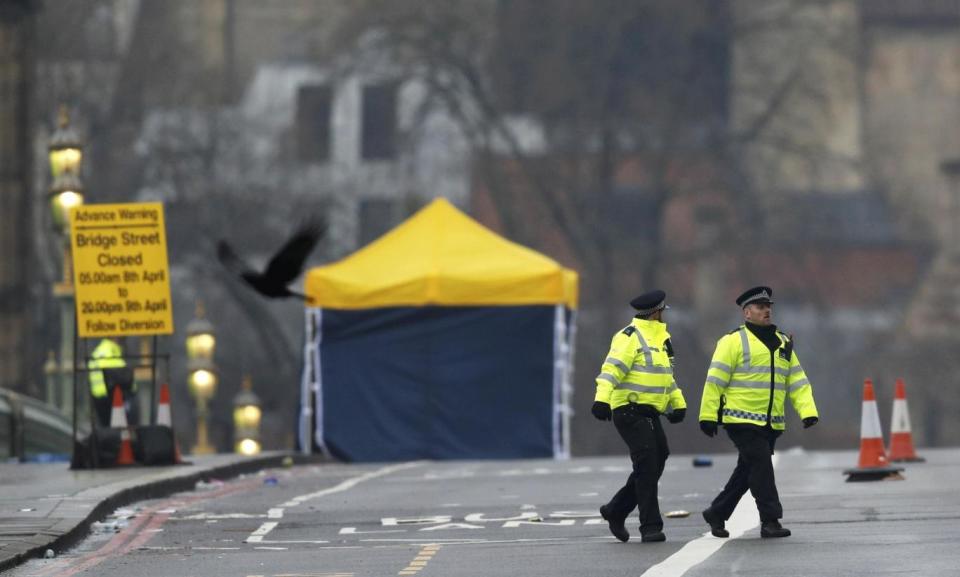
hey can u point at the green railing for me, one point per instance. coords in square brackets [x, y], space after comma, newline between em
[31, 430]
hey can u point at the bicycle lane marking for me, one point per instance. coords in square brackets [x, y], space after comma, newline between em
[745, 517]
[277, 512]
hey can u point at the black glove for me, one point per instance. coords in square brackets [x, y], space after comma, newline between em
[709, 428]
[677, 415]
[809, 422]
[601, 411]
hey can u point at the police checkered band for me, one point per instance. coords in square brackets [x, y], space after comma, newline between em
[659, 307]
[760, 296]
[752, 416]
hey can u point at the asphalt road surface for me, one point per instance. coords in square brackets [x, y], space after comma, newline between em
[529, 518]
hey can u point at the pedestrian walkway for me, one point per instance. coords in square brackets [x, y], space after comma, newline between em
[49, 506]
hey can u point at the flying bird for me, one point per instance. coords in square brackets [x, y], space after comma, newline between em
[284, 267]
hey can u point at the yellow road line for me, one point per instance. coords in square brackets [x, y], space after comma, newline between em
[423, 557]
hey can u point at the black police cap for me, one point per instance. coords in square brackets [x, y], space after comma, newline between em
[757, 294]
[649, 303]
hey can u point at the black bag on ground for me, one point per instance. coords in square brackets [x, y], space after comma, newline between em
[154, 445]
[105, 441]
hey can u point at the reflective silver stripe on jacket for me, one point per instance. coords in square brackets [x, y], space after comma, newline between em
[752, 416]
[617, 363]
[653, 369]
[798, 384]
[745, 345]
[717, 381]
[647, 355]
[765, 371]
[609, 378]
[737, 383]
[656, 390]
[745, 367]
[722, 366]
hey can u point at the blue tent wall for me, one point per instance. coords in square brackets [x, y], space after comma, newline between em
[438, 382]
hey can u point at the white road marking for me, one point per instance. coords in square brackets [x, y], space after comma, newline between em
[482, 518]
[351, 483]
[745, 517]
[257, 536]
[394, 521]
[470, 541]
[203, 516]
[353, 531]
[560, 523]
[284, 542]
[446, 526]
[277, 512]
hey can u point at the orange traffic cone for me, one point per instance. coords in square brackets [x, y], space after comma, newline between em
[873, 464]
[901, 438]
[118, 420]
[165, 418]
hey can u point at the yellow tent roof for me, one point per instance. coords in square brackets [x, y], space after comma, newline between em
[441, 256]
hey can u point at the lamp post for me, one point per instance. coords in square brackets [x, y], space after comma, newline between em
[246, 419]
[50, 370]
[202, 379]
[66, 192]
[951, 171]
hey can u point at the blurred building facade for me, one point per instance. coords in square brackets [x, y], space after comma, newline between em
[844, 109]
[196, 103]
[16, 257]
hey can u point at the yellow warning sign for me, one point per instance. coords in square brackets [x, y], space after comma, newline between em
[120, 270]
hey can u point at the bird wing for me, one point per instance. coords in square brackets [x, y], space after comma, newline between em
[287, 263]
[229, 259]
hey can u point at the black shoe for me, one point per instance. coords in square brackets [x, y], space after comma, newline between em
[652, 537]
[716, 524]
[616, 525]
[773, 530]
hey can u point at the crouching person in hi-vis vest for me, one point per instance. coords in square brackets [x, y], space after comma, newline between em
[634, 387]
[753, 370]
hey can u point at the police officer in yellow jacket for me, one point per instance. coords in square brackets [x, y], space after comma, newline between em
[108, 354]
[753, 370]
[634, 387]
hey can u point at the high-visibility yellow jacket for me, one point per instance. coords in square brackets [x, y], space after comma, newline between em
[107, 355]
[750, 388]
[639, 368]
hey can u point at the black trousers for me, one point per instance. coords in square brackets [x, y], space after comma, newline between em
[640, 428]
[754, 471]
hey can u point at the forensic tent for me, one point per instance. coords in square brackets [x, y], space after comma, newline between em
[439, 340]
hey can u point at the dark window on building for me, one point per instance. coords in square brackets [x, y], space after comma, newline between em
[376, 218]
[378, 137]
[313, 123]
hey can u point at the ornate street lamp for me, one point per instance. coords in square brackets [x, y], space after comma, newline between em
[66, 192]
[65, 149]
[202, 379]
[246, 419]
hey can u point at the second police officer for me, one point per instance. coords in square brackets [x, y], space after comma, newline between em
[753, 370]
[634, 387]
